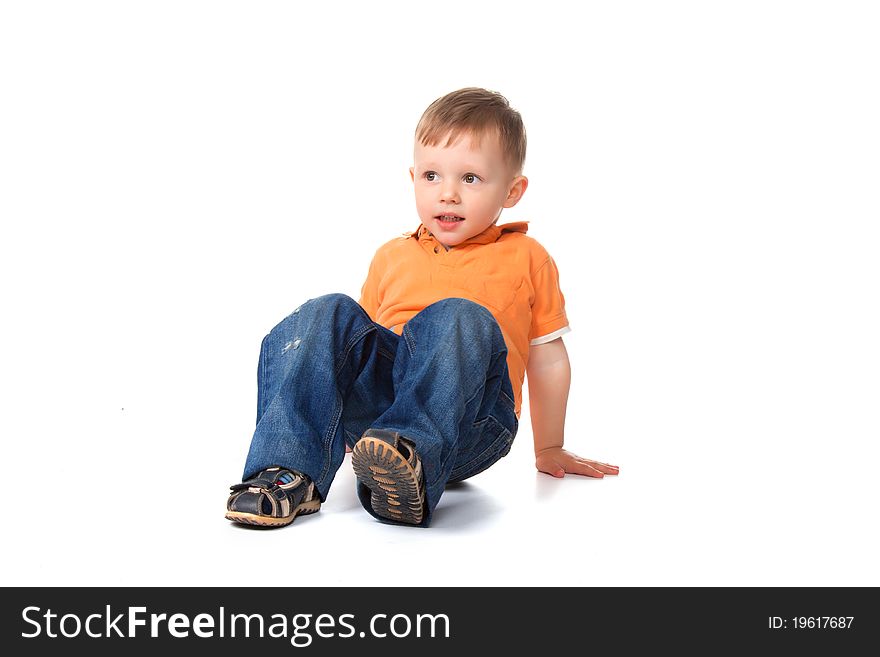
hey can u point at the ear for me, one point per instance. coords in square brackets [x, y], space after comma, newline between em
[412, 173]
[517, 189]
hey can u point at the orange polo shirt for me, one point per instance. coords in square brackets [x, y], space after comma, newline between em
[502, 269]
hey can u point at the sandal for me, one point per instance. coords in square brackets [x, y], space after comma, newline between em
[387, 464]
[272, 498]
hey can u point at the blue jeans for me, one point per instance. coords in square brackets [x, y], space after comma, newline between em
[327, 373]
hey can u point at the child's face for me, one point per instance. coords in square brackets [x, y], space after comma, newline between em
[471, 182]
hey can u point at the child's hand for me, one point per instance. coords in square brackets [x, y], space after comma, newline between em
[557, 461]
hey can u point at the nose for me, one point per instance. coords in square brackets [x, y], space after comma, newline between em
[449, 192]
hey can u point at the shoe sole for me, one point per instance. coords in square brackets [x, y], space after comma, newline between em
[396, 493]
[303, 509]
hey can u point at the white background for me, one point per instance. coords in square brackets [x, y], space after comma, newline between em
[176, 177]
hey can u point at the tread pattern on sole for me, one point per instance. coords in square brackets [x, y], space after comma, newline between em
[304, 509]
[397, 493]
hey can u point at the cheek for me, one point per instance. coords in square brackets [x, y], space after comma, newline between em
[423, 205]
[481, 204]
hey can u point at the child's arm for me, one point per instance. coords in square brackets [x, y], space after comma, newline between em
[549, 375]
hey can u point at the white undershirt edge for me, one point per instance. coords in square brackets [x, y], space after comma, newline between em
[551, 336]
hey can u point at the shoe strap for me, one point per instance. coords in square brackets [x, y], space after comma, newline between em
[267, 480]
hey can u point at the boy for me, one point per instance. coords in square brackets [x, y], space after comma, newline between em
[422, 378]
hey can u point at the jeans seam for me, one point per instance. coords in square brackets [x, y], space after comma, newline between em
[504, 436]
[325, 444]
[410, 340]
[480, 388]
[354, 340]
[501, 393]
[327, 440]
[263, 375]
[480, 421]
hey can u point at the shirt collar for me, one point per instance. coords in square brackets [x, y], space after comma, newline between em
[488, 236]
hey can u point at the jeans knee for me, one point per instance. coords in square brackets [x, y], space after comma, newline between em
[464, 317]
[330, 302]
[326, 306]
[462, 309]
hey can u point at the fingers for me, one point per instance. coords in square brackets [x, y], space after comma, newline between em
[593, 468]
[578, 465]
[585, 468]
[604, 467]
[575, 465]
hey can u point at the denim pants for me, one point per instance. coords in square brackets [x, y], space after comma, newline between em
[327, 373]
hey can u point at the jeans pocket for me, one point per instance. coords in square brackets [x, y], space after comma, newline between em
[490, 440]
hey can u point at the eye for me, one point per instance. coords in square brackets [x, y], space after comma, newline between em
[471, 178]
[430, 176]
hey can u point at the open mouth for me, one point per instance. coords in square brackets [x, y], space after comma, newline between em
[449, 218]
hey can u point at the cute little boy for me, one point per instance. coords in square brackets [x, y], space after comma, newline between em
[422, 377]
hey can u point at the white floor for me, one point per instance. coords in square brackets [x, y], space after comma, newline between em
[141, 512]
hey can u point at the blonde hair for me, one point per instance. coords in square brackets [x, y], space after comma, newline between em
[476, 112]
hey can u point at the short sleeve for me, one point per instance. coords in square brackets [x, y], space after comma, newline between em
[549, 320]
